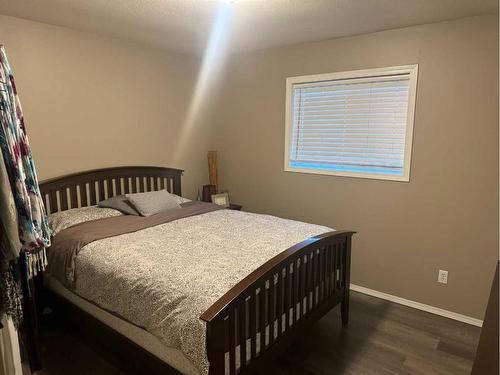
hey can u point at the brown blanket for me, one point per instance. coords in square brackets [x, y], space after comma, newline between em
[67, 243]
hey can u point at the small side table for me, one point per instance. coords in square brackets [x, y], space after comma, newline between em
[233, 206]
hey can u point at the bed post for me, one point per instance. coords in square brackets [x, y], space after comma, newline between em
[344, 305]
[215, 347]
[177, 183]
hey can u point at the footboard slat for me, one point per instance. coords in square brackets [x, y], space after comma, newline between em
[309, 282]
[296, 278]
[276, 302]
[286, 297]
[232, 346]
[242, 322]
[328, 269]
[337, 272]
[271, 307]
[341, 266]
[253, 327]
[334, 269]
[262, 318]
[303, 286]
[323, 274]
[280, 296]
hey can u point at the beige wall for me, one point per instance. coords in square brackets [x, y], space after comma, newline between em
[444, 218]
[91, 101]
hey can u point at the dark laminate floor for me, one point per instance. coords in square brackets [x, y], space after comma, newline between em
[382, 338]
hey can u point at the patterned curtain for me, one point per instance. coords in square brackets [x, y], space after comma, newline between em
[24, 225]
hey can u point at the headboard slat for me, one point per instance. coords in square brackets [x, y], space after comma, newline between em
[133, 183]
[73, 196]
[92, 197]
[145, 177]
[53, 201]
[100, 190]
[126, 183]
[83, 194]
[63, 198]
[118, 182]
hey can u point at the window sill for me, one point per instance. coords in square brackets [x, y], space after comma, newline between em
[370, 176]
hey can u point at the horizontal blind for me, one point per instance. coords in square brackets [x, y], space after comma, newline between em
[354, 125]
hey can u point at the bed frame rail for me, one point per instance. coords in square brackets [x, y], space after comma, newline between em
[278, 301]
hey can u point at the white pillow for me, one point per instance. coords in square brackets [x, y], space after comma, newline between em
[59, 221]
[152, 202]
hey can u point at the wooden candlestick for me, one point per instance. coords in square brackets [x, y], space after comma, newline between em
[212, 168]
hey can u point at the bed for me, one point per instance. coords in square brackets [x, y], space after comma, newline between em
[236, 290]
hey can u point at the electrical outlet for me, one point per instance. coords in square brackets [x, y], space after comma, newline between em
[443, 277]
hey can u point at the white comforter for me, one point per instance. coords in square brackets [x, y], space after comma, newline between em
[163, 278]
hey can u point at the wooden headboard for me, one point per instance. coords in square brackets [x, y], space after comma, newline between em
[86, 188]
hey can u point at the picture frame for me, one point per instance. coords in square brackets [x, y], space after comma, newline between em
[221, 199]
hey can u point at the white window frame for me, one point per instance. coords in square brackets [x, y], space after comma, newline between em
[412, 70]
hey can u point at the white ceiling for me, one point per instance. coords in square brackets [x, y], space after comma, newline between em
[184, 25]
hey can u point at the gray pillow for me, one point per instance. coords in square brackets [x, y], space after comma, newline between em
[152, 202]
[120, 203]
[180, 199]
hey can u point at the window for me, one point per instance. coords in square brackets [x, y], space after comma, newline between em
[356, 124]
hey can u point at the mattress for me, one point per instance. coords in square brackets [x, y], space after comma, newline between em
[174, 357]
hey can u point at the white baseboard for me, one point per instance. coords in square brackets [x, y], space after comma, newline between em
[418, 305]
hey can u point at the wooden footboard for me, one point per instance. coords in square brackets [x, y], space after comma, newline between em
[267, 309]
